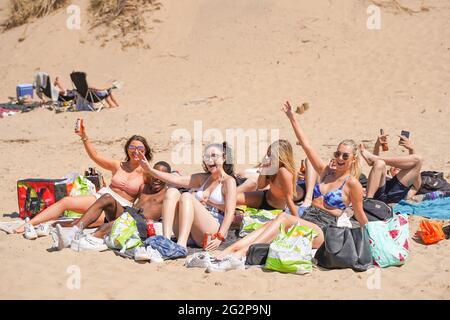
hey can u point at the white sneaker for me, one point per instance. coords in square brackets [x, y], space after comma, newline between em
[66, 235]
[230, 262]
[43, 230]
[199, 260]
[154, 255]
[140, 254]
[88, 243]
[30, 233]
[146, 254]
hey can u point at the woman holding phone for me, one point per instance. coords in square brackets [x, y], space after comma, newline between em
[127, 178]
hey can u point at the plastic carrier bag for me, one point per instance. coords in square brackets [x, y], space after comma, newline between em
[253, 219]
[431, 231]
[80, 187]
[124, 234]
[291, 251]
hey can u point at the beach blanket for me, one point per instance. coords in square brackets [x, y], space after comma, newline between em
[433, 209]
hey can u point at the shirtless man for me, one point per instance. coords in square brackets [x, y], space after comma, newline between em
[150, 201]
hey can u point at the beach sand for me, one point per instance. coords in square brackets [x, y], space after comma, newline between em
[229, 64]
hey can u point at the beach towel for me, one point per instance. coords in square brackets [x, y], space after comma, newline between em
[389, 241]
[433, 209]
[253, 219]
[291, 251]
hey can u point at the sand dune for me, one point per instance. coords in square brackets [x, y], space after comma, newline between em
[230, 64]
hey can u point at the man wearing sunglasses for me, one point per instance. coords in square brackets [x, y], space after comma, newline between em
[404, 184]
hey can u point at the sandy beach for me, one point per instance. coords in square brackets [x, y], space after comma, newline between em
[229, 64]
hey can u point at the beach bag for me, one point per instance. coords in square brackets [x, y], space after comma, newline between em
[431, 231]
[80, 187]
[433, 181]
[257, 254]
[253, 219]
[376, 210]
[34, 195]
[95, 177]
[345, 248]
[291, 251]
[389, 244]
[124, 234]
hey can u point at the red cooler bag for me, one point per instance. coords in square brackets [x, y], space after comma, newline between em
[34, 195]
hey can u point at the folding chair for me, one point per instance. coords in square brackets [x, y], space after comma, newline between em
[80, 83]
[44, 85]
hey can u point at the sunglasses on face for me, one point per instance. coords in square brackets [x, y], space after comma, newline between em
[138, 148]
[338, 154]
[213, 157]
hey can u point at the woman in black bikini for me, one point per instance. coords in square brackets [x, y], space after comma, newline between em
[277, 181]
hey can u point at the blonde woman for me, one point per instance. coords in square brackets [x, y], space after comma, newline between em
[338, 187]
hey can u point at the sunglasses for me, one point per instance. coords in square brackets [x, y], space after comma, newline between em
[213, 157]
[338, 154]
[133, 148]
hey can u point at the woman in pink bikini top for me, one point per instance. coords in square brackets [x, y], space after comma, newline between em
[127, 178]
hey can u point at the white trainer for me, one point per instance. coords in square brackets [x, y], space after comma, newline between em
[198, 260]
[88, 243]
[30, 233]
[43, 230]
[140, 254]
[154, 255]
[230, 262]
[66, 235]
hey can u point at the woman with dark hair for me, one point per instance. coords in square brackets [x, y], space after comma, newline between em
[200, 212]
[127, 178]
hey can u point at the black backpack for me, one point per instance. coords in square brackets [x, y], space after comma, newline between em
[376, 210]
[433, 181]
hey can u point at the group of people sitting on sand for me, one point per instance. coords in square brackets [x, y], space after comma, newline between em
[327, 189]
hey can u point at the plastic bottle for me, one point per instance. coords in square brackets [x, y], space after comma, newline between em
[384, 145]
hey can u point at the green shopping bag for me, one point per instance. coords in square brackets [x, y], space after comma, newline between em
[81, 187]
[124, 234]
[253, 219]
[291, 251]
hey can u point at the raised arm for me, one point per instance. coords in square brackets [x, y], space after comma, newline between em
[187, 181]
[318, 164]
[105, 163]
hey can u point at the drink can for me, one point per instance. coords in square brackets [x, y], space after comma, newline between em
[206, 239]
[78, 125]
[150, 229]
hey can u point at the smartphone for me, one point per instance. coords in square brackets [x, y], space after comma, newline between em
[405, 133]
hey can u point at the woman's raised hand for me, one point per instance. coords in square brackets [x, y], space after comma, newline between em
[287, 109]
[79, 128]
[143, 161]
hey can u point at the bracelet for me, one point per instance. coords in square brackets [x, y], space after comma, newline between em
[219, 236]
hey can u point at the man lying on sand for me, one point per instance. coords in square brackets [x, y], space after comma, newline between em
[150, 201]
[405, 183]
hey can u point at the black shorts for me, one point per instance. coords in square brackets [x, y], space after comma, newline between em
[392, 192]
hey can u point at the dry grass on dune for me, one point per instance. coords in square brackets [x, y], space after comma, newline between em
[125, 17]
[23, 11]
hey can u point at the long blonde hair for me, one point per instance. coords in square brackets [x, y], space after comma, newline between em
[355, 169]
[282, 151]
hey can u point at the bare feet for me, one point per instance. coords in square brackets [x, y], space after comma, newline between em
[369, 157]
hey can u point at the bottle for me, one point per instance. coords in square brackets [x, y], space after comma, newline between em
[302, 167]
[206, 239]
[79, 127]
[384, 145]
